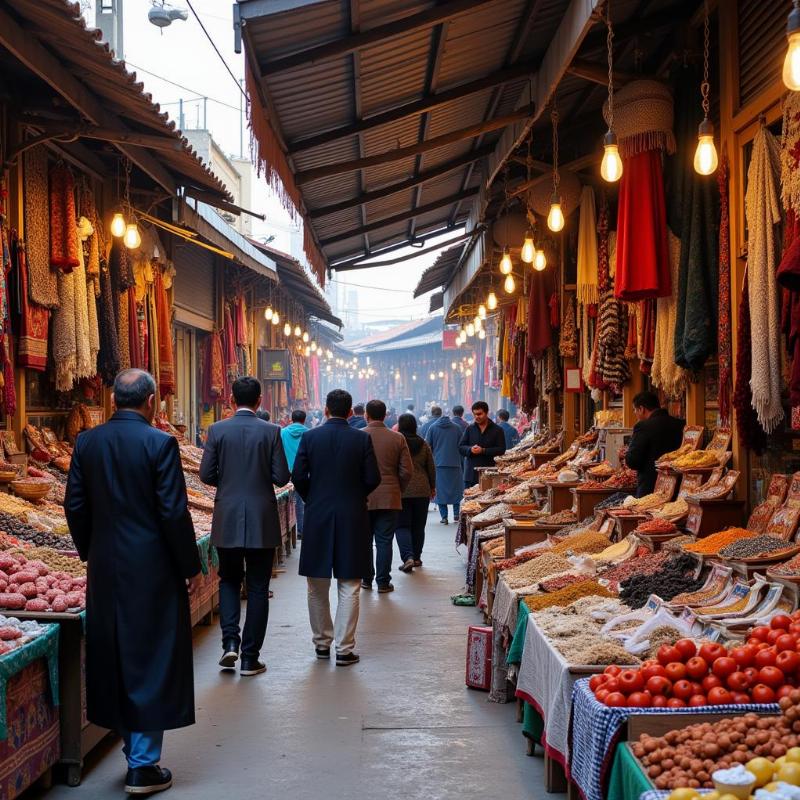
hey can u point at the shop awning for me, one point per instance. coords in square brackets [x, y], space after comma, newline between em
[381, 121]
[437, 302]
[438, 274]
[45, 48]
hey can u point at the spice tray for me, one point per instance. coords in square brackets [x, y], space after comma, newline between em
[771, 558]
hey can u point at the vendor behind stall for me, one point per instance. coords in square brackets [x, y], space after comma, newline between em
[654, 434]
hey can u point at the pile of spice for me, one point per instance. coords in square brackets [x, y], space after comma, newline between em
[582, 542]
[754, 546]
[663, 634]
[492, 514]
[561, 581]
[616, 552]
[705, 594]
[613, 501]
[790, 568]
[673, 578]
[699, 459]
[567, 595]
[602, 470]
[711, 545]
[604, 651]
[623, 479]
[679, 542]
[587, 486]
[675, 510]
[642, 563]
[655, 526]
[495, 547]
[726, 608]
[515, 561]
[559, 518]
[648, 502]
[531, 572]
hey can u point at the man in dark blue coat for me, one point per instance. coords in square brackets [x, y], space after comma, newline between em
[127, 511]
[335, 470]
[358, 420]
[244, 459]
[480, 443]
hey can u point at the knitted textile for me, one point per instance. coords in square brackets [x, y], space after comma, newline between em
[42, 283]
[63, 243]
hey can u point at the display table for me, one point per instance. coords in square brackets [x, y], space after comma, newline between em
[29, 714]
[560, 496]
[520, 534]
[587, 499]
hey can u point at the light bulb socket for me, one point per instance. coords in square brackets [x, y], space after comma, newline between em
[706, 128]
[793, 20]
[610, 139]
[555, 199]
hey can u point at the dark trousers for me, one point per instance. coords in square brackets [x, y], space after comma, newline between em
[383, 522]
[410, 531]
[255, 567]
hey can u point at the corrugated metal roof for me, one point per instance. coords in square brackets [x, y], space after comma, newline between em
[423, 340]
[437, 274]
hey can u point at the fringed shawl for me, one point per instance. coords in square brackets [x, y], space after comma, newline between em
[587, 291]
[42, 282]
[63, 243]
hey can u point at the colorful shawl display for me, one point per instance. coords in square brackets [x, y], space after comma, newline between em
[724, 304]
[540, 334]
[568, 337]
[213, 370]
[587, 291]
[63, 244]
[42, 283]
[166, 358]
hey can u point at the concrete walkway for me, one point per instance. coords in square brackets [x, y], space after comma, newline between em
[398, 726]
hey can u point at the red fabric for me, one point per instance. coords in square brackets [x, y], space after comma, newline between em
[134, 334]
[213, 370]
[166, 359]
[643, 269]
[724, 309]
[34, 320]
[540, 334]
[63, 242]
[789, 278]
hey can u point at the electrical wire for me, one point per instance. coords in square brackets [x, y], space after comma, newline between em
[216, 49]
[199, 95]
[366, 286]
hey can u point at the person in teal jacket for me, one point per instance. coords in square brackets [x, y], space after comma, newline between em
[291, 435]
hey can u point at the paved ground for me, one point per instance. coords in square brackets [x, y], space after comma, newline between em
[398, 726]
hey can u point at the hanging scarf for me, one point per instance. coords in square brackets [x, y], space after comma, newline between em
[213, 370]
[108, 358]
[587, 291]
[646, 334]
[42, 283]
[229, 349]
[134, 332]
[63, 244]
[540, 334]
[33, 320]
[166, 359]
[762, 210]
[94, 245]
[724, 302]
[789, 278]
[568, 338]
[642, 249]
[94, 325]
[123, 330]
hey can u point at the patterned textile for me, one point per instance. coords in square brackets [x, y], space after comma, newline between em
[596, 729]
[108, 358]
[33, 319]
[725, 357]
[166, 357]
[214, 370]
[568, 337]
[63, 242]
[124, 332]
[42, 284]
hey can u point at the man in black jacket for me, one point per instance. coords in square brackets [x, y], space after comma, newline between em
[243, 458]
[654, 434]
[480, 443]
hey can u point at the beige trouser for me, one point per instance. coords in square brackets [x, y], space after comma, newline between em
[343, 631]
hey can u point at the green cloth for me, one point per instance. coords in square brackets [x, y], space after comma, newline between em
[208, 553]
[462, 600]
[532, 723]
[627, 779]
[13, 662]
[518, 642]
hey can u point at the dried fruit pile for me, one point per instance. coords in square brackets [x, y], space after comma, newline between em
[30, 585]
[673, 578]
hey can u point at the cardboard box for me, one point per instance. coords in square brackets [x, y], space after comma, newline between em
[479, 657]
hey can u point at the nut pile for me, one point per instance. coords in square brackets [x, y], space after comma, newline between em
[533, 571]
[22, 530]
[754, 546]
[559, 518]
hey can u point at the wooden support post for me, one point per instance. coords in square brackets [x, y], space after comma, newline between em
[629, 391]
[696, 402]
[16, 213]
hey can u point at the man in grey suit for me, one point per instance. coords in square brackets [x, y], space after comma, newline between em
[243, 458]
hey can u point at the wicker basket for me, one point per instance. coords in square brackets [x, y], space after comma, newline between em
[8, 475]
[30, 491]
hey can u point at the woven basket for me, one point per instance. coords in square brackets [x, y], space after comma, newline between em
[8, 476]
[569, 188]
[30, 491]
[643, 118]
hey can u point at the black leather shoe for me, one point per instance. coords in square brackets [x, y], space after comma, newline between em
[147, 780]
[346, 659]
[252, 666]
[230, 654]
[323, 652]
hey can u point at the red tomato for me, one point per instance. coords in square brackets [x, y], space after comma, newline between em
[697, 687]
[753, 641]
[743, 655]
[719, 696]
[601, 695]
[696, 667]
[762, 694]
[738, 682]
[612, 669]
[711, 651]
[659, 701]
[710, 682]
[771, 676]
[740, 698]
[765, 658]
[668, 654]
[762, 646]
[630, 680]
[676, 670]
[784, 691]
[616, 700]
[612, 684]
[787, 641]
[682, 690]
[651, 670]
[687, 648]
[752, 675]
[698, 700]
[787, 661]
[676, 702]
[724, 666]
[761, 632]
[640, 700]
[781, 621]
[658, 685]
[794, 627]
[774, 635]
[596, 681]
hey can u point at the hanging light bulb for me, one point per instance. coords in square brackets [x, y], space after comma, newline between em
[481, 334]
[313, 347]
[505, 262]
[298, 332]
[491, 301]
[470, 329]
[276, 318]
[611, 166]
[413, 377]
[307, 351]
[509, 284]
[441, 374]
[118, 224]
[555, 219]
[432, 376]
[305, 337]
[132, 236]
[397, 376]
[287, 329]
[268, 313]
[478, 323]
[453, 365]
[482, 311]
[705, 156]
[471, 360]
[791, 64]
[540, 260]
[528, 251]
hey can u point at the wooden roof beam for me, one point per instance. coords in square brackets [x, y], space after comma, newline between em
[596, 73]
[355, 41]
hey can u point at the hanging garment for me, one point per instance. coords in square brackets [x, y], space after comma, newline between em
[724, 354]
[789, 278]
[229, 349]
[587, 291]
[134, 330]
[762, 210]
[214, 371]
[33, 319]
[94, 325]
[540, 333]
[42, 282]
[63, 244]
[86, 360]
[95, 244]
[108, 358]
[646, 335]
[568, 337]
[123, 326]
[166, 358]
[642, 248]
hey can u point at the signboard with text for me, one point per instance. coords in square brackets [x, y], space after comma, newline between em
[449, 340]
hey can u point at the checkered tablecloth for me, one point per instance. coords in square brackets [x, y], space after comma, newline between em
[596, 728]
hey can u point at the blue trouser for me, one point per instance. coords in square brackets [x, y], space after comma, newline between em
[410, 533]
[443, 510]
[142, 749]
[299, 512]
[384, 523]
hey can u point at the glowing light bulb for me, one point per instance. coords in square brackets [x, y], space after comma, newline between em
[509, 284]
[313, 347]
[528, 249]
[540, 261]
[298, 331]
[470, 329]
[471, 360]
[491, 301]
[118, 225]
[287, 329]
[611, 166]
[413, 377]
[481, 334]
[453, 365]
[307, 351]
[276, 318]
[132, 236]
[791, 64]
[441, 374]
[555, 219]
[432, 376]
[705, 156]
[482, 311]
[468, 373]
[305, 336]
[478, 322]
[268, 314]
[505, 262]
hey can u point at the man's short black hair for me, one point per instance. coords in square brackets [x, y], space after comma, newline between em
[648, 400]
[132, 387]
[410, 406]
[436, 411]
[407, 423]
[339, 402]
[298, 415]
[480, 405]
[458, 411]
[358, 409]
[246, 391]
[265, 415]
[503, 414]
[376, 410]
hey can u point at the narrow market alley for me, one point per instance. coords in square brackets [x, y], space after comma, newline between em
[400, 724]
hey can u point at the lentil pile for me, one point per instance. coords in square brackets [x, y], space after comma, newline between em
[533, 571]
[566, 595]
[754, 546]
[582, 542]
[655, 526]
[559, 518]
[711, 545]
[672, 578]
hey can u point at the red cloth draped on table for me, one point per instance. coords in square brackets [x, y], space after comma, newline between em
[643, 269]
[166, 359]
[63, 244]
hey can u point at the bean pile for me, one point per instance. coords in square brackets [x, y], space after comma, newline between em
[566, 595]
[614, 500]
[754, 546]
[711, 545]
[673, 578]
[22, 530]
[533, 571]
[643, 563]
[561, 582]
[559, 518]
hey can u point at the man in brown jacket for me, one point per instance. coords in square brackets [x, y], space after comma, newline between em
[385, 502]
